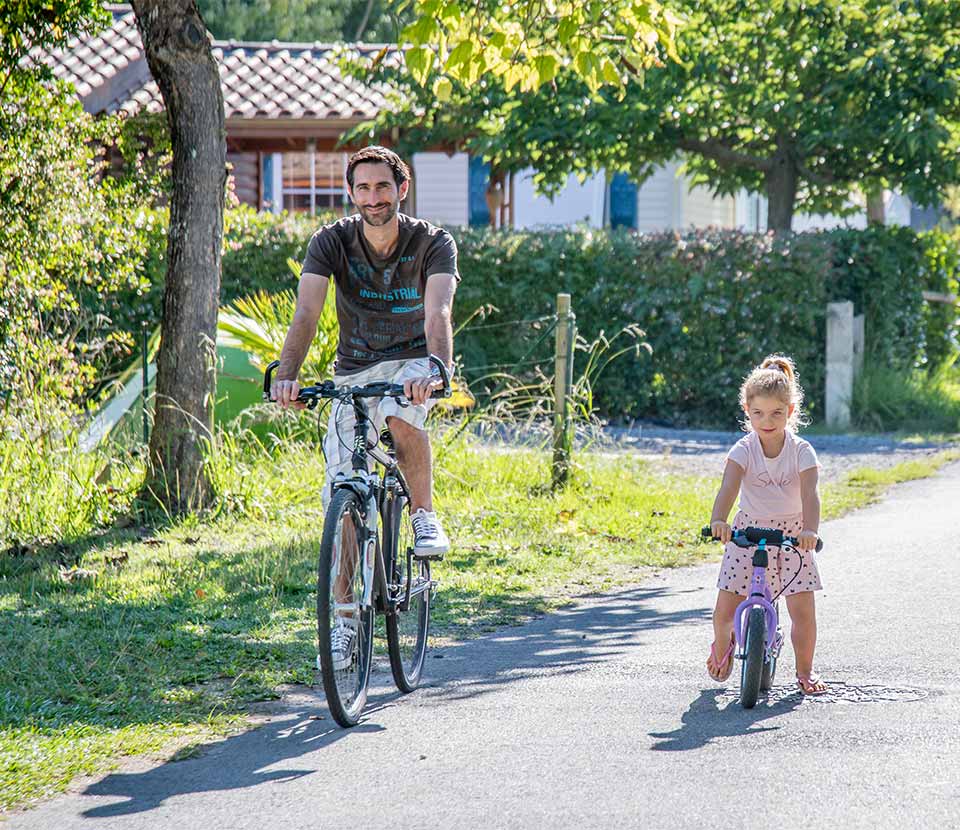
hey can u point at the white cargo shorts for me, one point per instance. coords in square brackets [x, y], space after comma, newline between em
[338, 442]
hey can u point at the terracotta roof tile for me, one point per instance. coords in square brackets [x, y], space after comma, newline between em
[262, 80]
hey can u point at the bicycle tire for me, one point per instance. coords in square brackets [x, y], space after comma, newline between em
[407, 630]
[345, 688]
[753, 653]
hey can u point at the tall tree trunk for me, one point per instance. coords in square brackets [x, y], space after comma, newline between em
[876, 210]
[781, 179]
[178, 54]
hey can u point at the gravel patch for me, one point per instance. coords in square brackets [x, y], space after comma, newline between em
[702, 452]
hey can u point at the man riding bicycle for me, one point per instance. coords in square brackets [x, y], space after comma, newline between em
[395, 277]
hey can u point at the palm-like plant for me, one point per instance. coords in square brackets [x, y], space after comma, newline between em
[258, 324]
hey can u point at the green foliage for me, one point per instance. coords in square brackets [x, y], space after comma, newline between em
[712, 305]
[43, 23]
[941, 269]
[837, 95]
[895, 400]
[258, 324]
[525, 43]
[303, 21]
[256, 250]
[67, 244]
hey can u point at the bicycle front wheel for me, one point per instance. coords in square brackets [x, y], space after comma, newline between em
[752, 670]
[409, 625]
[344, 629]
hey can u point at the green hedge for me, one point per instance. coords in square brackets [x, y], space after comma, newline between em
[712, 303]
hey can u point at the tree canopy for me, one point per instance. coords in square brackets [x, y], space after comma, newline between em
[801, 100]
[372, 21]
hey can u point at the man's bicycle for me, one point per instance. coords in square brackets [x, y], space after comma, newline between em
[366, 562]
[756, 624]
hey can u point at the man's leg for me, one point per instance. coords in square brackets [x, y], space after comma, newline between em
[416, 462]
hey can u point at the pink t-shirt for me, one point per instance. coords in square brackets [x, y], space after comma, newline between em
[771, 486]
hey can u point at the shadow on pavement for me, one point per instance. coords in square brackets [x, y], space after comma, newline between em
[715, 714]
[244, 760]
[564, 642]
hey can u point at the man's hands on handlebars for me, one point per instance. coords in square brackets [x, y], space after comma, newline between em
[419, 390]
[285, 392]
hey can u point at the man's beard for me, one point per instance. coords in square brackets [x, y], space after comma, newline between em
[381, 217]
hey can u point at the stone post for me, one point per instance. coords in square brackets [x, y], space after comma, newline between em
[840, 363]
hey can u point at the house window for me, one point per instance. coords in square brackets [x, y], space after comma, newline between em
[305, 182]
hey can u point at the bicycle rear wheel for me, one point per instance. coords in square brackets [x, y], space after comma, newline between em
[340, 619]
[408, 626]
[753, 652]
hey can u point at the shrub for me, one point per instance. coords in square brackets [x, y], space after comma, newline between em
[712, 303]
[64, 248]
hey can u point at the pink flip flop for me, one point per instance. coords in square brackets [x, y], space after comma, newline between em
[721, 666]
[808, 684]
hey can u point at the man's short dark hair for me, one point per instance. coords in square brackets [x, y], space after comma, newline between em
[375, 154]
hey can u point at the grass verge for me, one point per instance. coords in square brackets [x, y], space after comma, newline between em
[120, 643]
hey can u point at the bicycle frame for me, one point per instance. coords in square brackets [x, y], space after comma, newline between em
[371, 489]
[759, 596]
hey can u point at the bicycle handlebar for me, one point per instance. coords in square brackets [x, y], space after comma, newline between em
[750, 536]
[327, 389]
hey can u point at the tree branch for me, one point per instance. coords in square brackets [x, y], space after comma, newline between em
[720, 152]
[821, 179]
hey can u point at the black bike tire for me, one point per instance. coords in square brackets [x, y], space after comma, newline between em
[406, 678]
[345, 715]
[752, 671]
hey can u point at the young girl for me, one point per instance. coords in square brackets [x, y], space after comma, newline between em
[775, 473]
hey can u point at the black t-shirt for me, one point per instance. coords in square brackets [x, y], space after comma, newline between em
[380, 301]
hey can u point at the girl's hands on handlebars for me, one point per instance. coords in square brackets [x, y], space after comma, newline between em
[285, 392]
[722, 531]
[807, 540]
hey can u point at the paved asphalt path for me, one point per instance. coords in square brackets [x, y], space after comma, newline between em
[603, 716]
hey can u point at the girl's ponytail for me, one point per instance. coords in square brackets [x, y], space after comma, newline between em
[783, 363]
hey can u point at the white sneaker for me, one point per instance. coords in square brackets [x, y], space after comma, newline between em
[342, 637]
[430, 542]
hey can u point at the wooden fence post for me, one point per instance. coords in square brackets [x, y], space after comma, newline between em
[562, 385]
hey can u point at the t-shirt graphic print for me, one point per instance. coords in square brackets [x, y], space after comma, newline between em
[380, 301]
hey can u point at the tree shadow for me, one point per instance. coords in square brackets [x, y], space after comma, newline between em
[716, 713]
[244, 760]
[564, 642]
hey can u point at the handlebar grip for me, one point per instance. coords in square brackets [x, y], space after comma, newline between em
[444, 376]
[268, 378]
[706, 532]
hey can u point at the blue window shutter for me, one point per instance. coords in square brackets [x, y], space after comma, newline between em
[267, 179]
[623, 202]
[479, 176]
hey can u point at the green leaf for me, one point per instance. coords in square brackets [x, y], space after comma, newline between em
[419, 61]
[546, 66]
[443, 89]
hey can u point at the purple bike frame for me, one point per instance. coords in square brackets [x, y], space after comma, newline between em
[759, 596]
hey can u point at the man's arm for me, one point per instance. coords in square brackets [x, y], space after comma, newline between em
[438, 316]
[311, 295]
[438, 328]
